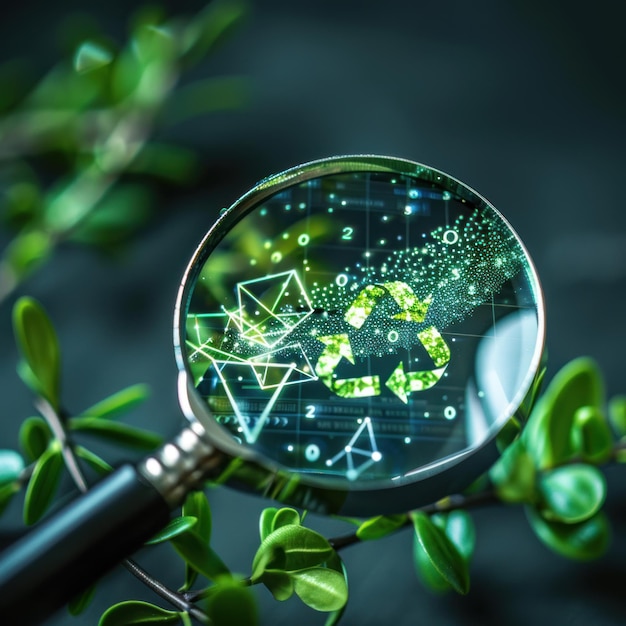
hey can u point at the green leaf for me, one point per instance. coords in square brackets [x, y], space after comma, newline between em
[321, 588]
[547, 434]
[6, 494]
[38, 343]
[266, 521]
[380, 526]
[617, 414]
[43, 484]
[285, 517]
[279, 583]
[79, 603]
[91, 56]
[591, 435]
[118, 403]
[583, 541]
[116, 432]
[291, 548]
[175, 527]
[442, 552]
[34, 436]
[507, 435]
[514, 474]
[26, 252]
[197, 505]
[134, 612]
[230, 603]
[425, 569]
[199, 555]
[11, 466]
[154, 43]
[337, 564]
[572, 493]
[532, 396]
[98, 464]
[459, 528]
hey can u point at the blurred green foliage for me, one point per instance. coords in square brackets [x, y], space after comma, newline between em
[79, 156]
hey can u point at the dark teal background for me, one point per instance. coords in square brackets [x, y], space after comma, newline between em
[524, 101]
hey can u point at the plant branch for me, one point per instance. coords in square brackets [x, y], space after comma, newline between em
[451, 503]
[56, 425]
[178, 600]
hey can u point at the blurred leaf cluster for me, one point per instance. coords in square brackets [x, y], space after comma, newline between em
[551, 464]
[78, 147]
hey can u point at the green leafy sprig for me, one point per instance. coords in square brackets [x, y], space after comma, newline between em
[551, 467]
[98, 116]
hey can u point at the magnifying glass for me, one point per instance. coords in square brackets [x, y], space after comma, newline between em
[351, 336]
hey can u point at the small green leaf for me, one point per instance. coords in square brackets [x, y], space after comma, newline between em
[426, 571]
[230, 603]
[34, 436]
[442, 552]
[118, 403]
[116, 432]
[134, 612]
[91, 56]
[459, 528]
[6, 494]
[591, 435]
[266, 520]
[284, 517]
[321, 588]
[43, 484]
[547, 434]
[508, 434]
[617, 414]
[337, 564]
[79, 603]
[572, 493]
[38, 343]
[514, 474]
[583, 541]
[98, 464]
[291, 548]
[199, 555]
[380, 526]
[26, 252]
[11, 466]
[154, 43]
[175, 527]
[532, 396]
[279, 583]
[197, 505]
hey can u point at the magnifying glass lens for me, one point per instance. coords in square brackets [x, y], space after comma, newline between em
[366, 326]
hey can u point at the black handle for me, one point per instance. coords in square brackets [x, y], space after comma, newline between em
[68, 552]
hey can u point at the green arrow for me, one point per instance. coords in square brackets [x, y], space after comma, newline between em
[338, 347]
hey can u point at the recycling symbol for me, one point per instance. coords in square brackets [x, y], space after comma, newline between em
[401, 383]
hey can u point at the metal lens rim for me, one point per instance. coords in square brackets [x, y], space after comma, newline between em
[194, 408]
